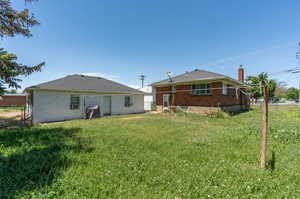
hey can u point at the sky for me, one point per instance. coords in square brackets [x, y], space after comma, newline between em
[121, 40]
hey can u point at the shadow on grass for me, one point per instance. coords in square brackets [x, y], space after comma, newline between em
[234, 113]
[11, 122]
[272, 161]
[35, 157]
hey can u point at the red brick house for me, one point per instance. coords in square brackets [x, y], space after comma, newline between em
[201, 91]
[8, 100]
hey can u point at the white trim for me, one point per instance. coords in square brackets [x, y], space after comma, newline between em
[168, 96]
[224, 89]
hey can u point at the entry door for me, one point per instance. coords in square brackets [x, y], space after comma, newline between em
[107, 105]
[166, 101]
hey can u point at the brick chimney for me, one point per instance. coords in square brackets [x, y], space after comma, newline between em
[241, 74]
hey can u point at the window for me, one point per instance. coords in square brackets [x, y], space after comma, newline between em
[225, 89]
[201, 89]
[166, 100]
[128, 101]
[75, 102]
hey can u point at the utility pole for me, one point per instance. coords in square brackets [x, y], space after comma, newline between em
[142, 78]
[264, 127]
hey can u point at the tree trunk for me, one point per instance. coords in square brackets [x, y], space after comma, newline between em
[264, 129]
[299, 94]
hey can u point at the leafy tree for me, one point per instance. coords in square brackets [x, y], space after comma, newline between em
[10, 69]
[12, 91]
[12, 23]
[292, 93]
[255, 82]
[280, 91]
[272, 87]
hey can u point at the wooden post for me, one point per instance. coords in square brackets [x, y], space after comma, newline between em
[299, 95]
[173, 98]
[24, 114]
[264, 128]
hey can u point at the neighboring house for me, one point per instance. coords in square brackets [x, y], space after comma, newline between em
[8, 100]
[69, 97]
[148, 99]
[201, 92]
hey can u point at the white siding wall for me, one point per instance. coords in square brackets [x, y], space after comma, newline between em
[148, 101]
[55, 106]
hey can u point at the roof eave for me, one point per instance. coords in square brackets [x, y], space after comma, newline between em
[78, 91]
[202, 80]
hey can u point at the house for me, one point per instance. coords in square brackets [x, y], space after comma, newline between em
[148, 99]
[201, 91]
[69, 97]
[10, 100]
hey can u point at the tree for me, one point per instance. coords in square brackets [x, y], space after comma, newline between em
[12, 23]
[12, 91]
[292, 93]
[262, 86]
[264, 126]
[272, 85]
[255, 82]
[10, 69]
[280, 91]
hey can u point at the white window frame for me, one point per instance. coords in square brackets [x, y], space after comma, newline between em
[167, 104]
[76, 105]
[201, 89]
[225, 89]
[131, 101]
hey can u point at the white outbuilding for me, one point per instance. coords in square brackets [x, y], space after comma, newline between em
[69, 98]
[148, 99]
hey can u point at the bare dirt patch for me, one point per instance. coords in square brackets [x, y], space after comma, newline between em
[11, 119]
[11, 114]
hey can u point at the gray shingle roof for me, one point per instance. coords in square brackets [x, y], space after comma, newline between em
[196, 75]
[83, 83]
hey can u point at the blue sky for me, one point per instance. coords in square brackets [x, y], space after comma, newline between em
[121, 39]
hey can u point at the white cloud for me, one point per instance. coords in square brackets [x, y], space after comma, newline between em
[134, 86]
[146, 89]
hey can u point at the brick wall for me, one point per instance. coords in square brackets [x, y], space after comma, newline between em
[185, 98]
[6, 101]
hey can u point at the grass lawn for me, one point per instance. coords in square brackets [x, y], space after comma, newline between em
[10, 109]
[159, 156]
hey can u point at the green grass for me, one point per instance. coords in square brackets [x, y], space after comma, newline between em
[162, 156]
[9, 109]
